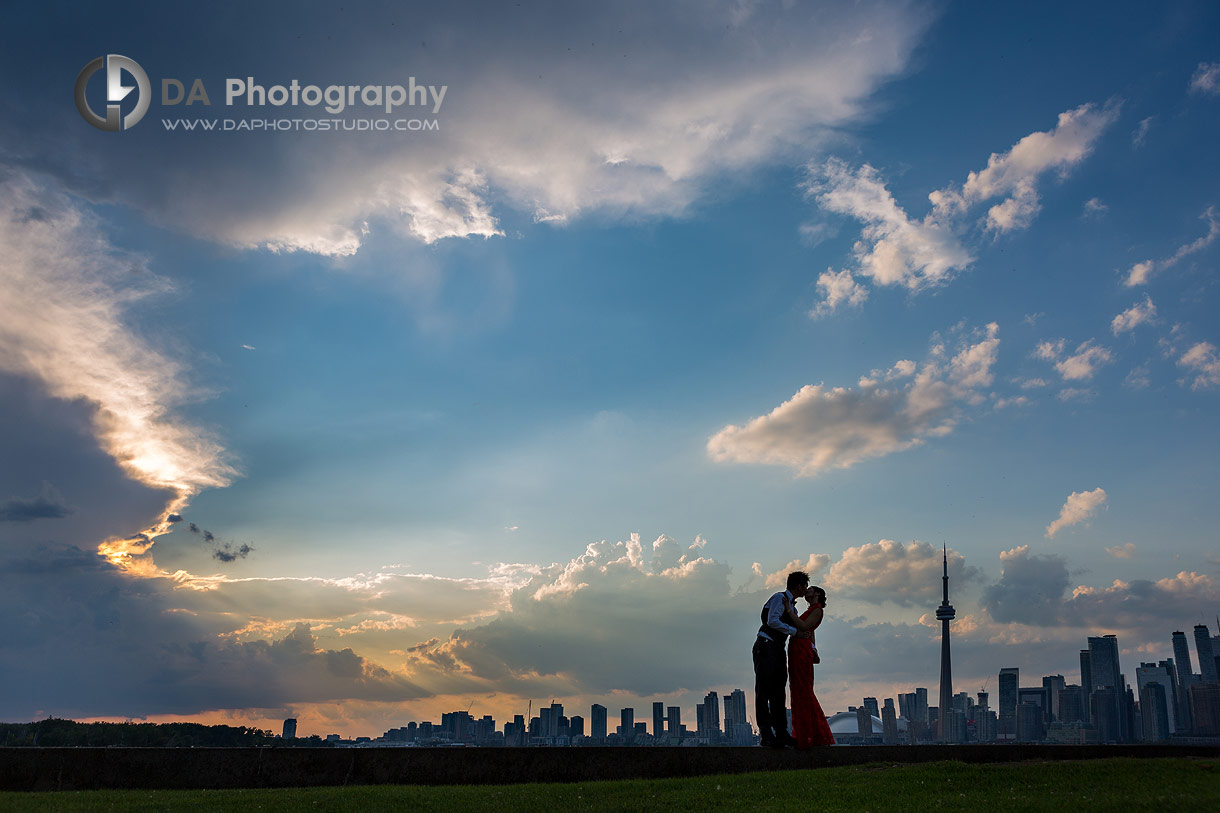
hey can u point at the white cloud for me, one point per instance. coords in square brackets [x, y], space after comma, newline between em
[1094, 208]
[1138, 378]
[564, 133]
[814, 565]
[894, 249]
[1141, 272]
[1079, 365]
[838, 288]
[1015, 173]
[1141, 132]
[1138, 314]
[897, 249]
[1203, 360]
[1079, 507]
[65, 294]
[888, 571]
[1206, 78]
[1122, 551]
[822, 428]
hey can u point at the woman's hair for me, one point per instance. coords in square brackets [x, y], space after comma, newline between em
[821, 594]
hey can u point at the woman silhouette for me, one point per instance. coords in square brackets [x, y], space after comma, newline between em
[809, 726]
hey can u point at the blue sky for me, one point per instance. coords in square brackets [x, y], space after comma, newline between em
[766, 284]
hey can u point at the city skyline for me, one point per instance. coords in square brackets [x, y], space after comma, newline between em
[352, 426]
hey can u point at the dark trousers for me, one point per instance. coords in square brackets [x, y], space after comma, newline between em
[770, 675]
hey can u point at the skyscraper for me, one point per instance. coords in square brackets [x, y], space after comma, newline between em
[1103, 660]
[1086, 681]
[627, 723]
[290, 728]
[711, 712]
[734, 711]
[1154, 712]
[1147, 673]
[597, 722]
[945, 614]
[1053, 685]
[1181, 656]
[889, 723]
[658, 718]
[673, 721]
[1207, 657]
[1009, 680]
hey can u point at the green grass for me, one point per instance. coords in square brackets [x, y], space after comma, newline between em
[1110, 784]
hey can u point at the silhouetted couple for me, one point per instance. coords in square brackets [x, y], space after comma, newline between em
[781, 625]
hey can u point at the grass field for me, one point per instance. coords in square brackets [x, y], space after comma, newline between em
[1111, 784]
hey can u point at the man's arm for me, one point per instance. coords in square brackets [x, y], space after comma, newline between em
[775, 614]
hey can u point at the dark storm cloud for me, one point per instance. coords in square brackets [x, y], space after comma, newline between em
[194, 528]
[49, 504]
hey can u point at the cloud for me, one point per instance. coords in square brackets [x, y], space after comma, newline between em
[814, 565]
[622, 125]
[1122, 551]
[64, 297]
[1079, 507]
[227, 553]
[1132, 317]
[49, 504]
[1015, 173]
[1033, 591]
[1141, 272]
[822, 428]
[1030, 589]
[1206, 79]
[897, 249]
[1094, 208]
[1141, 132]
[1203, 360]
[1079, 365]
[888, 571]
[838, 288]
[894, 249]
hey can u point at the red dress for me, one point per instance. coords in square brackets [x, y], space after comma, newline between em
[809, 725]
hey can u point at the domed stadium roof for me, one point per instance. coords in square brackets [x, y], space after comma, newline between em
[845, 723]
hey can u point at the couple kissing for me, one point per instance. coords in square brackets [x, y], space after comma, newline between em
[781, 627]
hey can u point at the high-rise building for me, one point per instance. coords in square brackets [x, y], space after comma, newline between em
[552, 729]
[905, 701]
[1103, 660]
[870, 703]
[290, 728]
[711, 713]
[658, 718]
[1010, 677]
[1207, 657]
[864, 722]
[597, 722]
[1154, 712]
[1104, 714]
[889, 723]
[1147, 673]
[1205, 709]
[734, 710]
[1086, 681]
[1030, 727]
[1181, 656]
[944, 614]
[1035, 695]
[1053, 685]
[626, 728]
[576, 726]
[673, 721]
[1071, 704]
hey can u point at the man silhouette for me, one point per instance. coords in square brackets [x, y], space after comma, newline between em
[771, 664]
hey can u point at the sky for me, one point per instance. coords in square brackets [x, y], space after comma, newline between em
[541, 399]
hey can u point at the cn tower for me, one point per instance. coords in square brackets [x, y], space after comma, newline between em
[945, 614]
